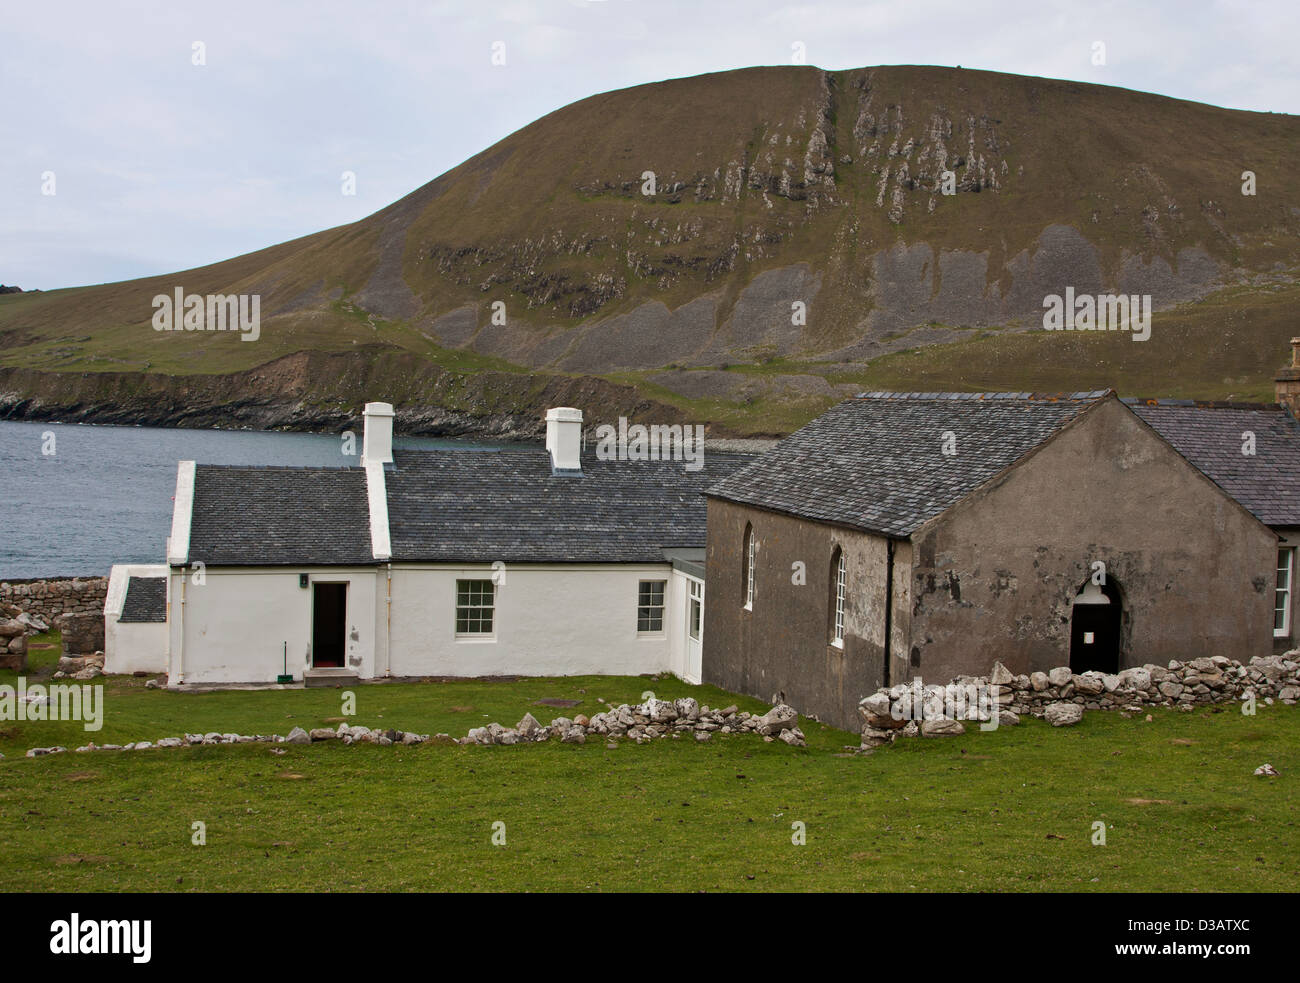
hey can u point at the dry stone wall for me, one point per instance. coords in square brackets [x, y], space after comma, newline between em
[648, 721]
[1060, 697]
[47, 599]
[643, 722]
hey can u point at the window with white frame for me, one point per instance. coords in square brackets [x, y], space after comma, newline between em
[650, 606]
[475, 607]
[751, 548]
[1282, 596]
[695, 610]
[841, 589]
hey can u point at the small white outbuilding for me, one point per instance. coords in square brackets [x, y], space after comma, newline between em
[135, 619]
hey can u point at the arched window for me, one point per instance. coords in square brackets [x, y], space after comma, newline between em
[839, 590]
[751, 548]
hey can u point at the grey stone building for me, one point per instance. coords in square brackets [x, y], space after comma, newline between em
[906, 535]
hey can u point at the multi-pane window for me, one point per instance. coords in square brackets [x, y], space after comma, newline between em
[475, 603]
[1282, 596]
[750, 549]
[841, 587]
[650, 605]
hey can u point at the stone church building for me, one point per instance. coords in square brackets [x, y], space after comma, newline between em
[930, 534]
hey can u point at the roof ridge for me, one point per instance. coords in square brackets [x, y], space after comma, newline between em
[1089, 395]
[284, 467]
[1201, 404]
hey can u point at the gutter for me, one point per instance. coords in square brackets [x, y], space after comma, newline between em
[180, 636]
[889, 607]
[178, 553]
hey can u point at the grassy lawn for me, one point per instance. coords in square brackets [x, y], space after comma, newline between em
[1004, 811]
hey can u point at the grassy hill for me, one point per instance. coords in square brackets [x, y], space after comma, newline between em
[773, 186]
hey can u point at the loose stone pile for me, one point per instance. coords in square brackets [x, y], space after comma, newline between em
[647, 721]
[80, 667]
[1061, 696]
[348, 734]
[15, 626]
[654, 718]
[81, 633]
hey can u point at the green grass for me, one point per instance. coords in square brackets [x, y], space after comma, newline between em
[1005, 811]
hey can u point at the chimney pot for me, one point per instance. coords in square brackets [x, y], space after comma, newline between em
[377, 446]
[564, 438]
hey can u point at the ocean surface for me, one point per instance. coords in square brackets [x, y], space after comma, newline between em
[104, 494]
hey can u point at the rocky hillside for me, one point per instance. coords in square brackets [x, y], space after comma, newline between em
[773, 188]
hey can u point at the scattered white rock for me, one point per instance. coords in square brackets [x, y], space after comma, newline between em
[942, 727]
[1063, 714]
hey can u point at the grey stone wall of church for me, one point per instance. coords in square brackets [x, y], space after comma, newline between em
[995, 577]
[781, 650]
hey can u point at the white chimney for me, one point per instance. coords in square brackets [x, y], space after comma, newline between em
[564, 438]
[378, 436]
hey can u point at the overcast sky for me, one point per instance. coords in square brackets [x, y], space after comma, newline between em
[160, 164]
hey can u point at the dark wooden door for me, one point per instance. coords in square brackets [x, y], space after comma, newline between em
[329, 624]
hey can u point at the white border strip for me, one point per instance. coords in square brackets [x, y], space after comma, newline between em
[377, 499]
[178, 546]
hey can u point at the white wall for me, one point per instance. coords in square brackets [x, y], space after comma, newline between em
[233, 627]
[551, 620]
[131, 647]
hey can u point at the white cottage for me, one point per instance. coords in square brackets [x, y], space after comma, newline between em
[530, 561]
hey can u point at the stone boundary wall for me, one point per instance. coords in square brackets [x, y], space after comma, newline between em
[47, 599]
[1061, 696]
[646, 721]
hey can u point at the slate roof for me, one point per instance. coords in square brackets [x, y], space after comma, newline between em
[278, 516]
[454, 506]
[483, 506]
[145, 602]
[876, 462]
[1210, 437]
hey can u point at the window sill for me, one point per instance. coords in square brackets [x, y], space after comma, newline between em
[476, 638]
[837, 643]
[651, 635]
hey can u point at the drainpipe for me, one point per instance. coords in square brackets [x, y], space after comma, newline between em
[180, 642]
[889, 604]
[388, 627]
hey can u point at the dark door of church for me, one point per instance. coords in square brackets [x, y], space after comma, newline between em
[1095, 630]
